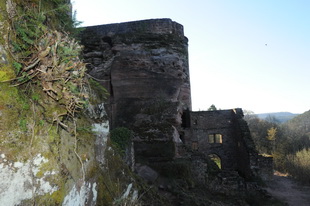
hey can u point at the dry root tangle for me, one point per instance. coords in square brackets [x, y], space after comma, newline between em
[58, 69]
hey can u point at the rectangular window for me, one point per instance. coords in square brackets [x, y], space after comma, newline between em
[194, 146]
[215, 138]
[218, 138]
[211, 138]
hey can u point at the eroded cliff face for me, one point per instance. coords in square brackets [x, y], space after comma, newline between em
[50, 152]
[144, 65]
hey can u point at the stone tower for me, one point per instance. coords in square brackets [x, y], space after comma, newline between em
[144, 66]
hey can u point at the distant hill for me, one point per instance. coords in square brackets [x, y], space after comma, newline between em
[300, 123]
[280, 116]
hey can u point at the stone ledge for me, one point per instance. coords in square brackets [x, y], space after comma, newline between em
[155, 26]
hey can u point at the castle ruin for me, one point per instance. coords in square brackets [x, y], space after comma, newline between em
[144, 66]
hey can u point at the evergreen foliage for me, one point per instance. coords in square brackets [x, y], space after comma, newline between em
[212, 108]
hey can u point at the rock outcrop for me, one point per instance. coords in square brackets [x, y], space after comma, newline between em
[51, 153]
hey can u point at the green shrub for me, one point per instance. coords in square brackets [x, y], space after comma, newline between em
[298, 165]
[121, 138]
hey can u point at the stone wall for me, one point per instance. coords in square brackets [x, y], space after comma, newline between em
[265, 167]
[144, 66]
[232, 150]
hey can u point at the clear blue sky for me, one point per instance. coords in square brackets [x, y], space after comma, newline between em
[230, 64]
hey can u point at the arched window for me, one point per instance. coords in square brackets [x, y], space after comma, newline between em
[216, 159]
[215, 138]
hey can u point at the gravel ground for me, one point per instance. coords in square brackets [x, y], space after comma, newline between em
[288, 190]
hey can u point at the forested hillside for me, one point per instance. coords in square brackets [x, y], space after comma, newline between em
[300, 123]
[288, 143]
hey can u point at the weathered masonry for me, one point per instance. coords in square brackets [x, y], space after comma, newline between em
[144, 66]
[222, 134]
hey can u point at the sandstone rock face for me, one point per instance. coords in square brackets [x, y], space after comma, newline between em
[144, 66]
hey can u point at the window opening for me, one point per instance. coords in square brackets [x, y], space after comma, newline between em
[211, 138]
[195, 146]
[182, 137]
[218, 138]
[186, 119]
[216, 159]
[215, 138]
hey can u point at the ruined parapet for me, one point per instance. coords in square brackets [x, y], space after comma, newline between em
[136, 28]
[144, 66]
[249, 146]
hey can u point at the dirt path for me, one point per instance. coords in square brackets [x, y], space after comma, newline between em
[286, 189]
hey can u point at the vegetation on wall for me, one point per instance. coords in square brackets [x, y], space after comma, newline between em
[43, 91]
[121, 138]
[45, 58]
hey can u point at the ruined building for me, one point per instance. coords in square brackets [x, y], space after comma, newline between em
[144, 66]
[221, 134]
[55, 127]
